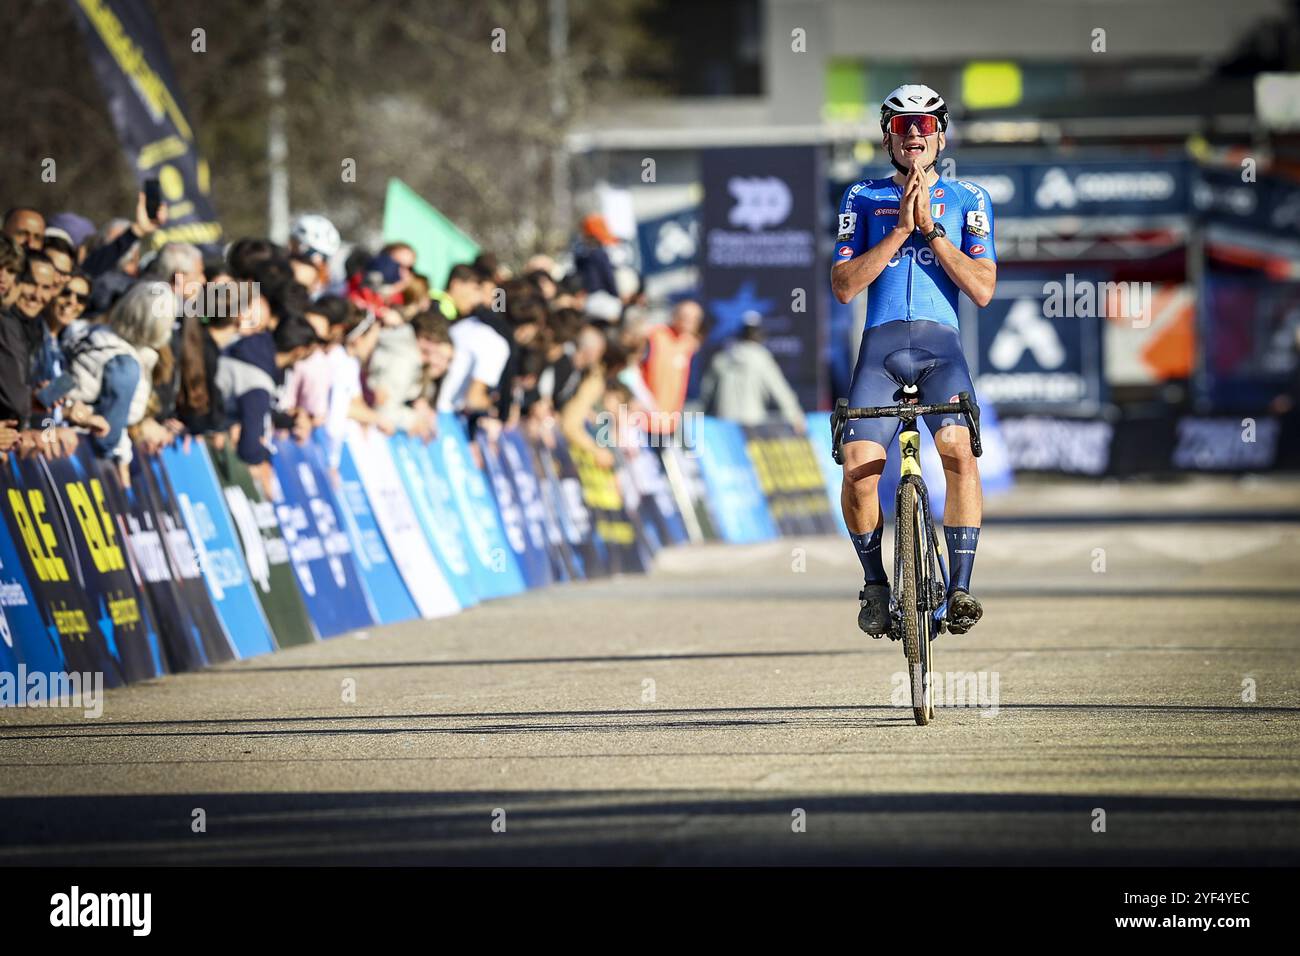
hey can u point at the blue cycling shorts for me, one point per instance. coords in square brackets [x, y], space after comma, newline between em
[918, 352]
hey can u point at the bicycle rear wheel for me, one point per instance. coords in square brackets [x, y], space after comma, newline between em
[914, 544]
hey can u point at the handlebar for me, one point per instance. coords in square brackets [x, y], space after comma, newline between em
[964, 405]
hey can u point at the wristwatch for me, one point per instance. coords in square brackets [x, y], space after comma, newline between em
[938, 231]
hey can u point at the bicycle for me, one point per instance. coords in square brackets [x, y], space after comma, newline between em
[919, 604]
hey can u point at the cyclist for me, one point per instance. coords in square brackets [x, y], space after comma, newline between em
[915, 240]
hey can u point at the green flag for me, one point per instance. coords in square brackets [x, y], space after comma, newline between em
[438, 244]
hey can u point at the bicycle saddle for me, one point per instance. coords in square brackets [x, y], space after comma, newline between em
[910, 366]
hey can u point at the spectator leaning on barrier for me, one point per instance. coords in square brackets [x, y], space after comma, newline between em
[590, 259]
[309, 384]
[378, 289]
[25, 226]
[59, 250]
[246, 381]
[36, 289]
[203, 407]
[580, 408]
[743, 378]
[114, 263]
[79, 230]
[15, 395]
[402, 371]
[314, 241]
[13, 261]
[64, 309]
[112, 364]
[481, 353]
[670, 349]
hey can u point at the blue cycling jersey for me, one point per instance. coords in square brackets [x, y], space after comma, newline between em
[913, 286]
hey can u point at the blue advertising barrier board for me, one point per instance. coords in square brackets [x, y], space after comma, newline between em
[390, 602]
[496, 572]
[735, 502]
[524, 528]
[202, 505]
[439, 516]
[370, 455]
[319, 549]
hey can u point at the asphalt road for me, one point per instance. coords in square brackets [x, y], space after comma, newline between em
[726, 710]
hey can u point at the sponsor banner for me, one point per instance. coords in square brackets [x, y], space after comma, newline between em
[103, 566]
[734, 498]
[366, 454]
[1226, 444]
[197, 494]
[68, 607]
[1030, 348]
[1267, 204]
[27, 636]
[1250, 324]
[386, 594]
[183, 553]
[270, 563]
[130, 61]
[523, 531]
[624, 547]
[576, 519]
[682, 469]
[542, 522]
[819, 437]
[1136, 446]
[790, 478]
[319, 549]
[1036, 443]
[1036, 190]
[150, 547]
[669, 242]
[635, 507]
[566, 564]
[438, 512]
[761, 253]
[1090, 189]
[656, 506]
[8, 656]
[1048, 189]
[497, 572]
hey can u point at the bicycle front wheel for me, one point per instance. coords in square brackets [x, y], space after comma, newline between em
[913, 541]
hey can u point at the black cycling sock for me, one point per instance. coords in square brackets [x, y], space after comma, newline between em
[961, 555]
[868, 548]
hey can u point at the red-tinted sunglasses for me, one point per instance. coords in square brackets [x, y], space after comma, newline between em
[927, 124]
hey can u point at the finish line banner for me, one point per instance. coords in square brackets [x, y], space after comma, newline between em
[135, 74]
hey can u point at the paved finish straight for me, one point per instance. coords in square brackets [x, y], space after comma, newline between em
[725, 709]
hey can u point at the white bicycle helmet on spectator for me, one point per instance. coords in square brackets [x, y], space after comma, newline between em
[315, 233]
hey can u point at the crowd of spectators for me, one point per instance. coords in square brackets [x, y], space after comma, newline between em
[111, 335]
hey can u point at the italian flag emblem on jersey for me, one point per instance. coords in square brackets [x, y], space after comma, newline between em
[936, 210]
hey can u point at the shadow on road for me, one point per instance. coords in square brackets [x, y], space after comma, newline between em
[646, 827]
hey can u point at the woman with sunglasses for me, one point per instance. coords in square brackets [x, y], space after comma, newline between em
[65, 308]
[917, 241]
[49, 364]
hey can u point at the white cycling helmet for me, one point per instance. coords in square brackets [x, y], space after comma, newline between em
[315, 233]
[912, 98]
